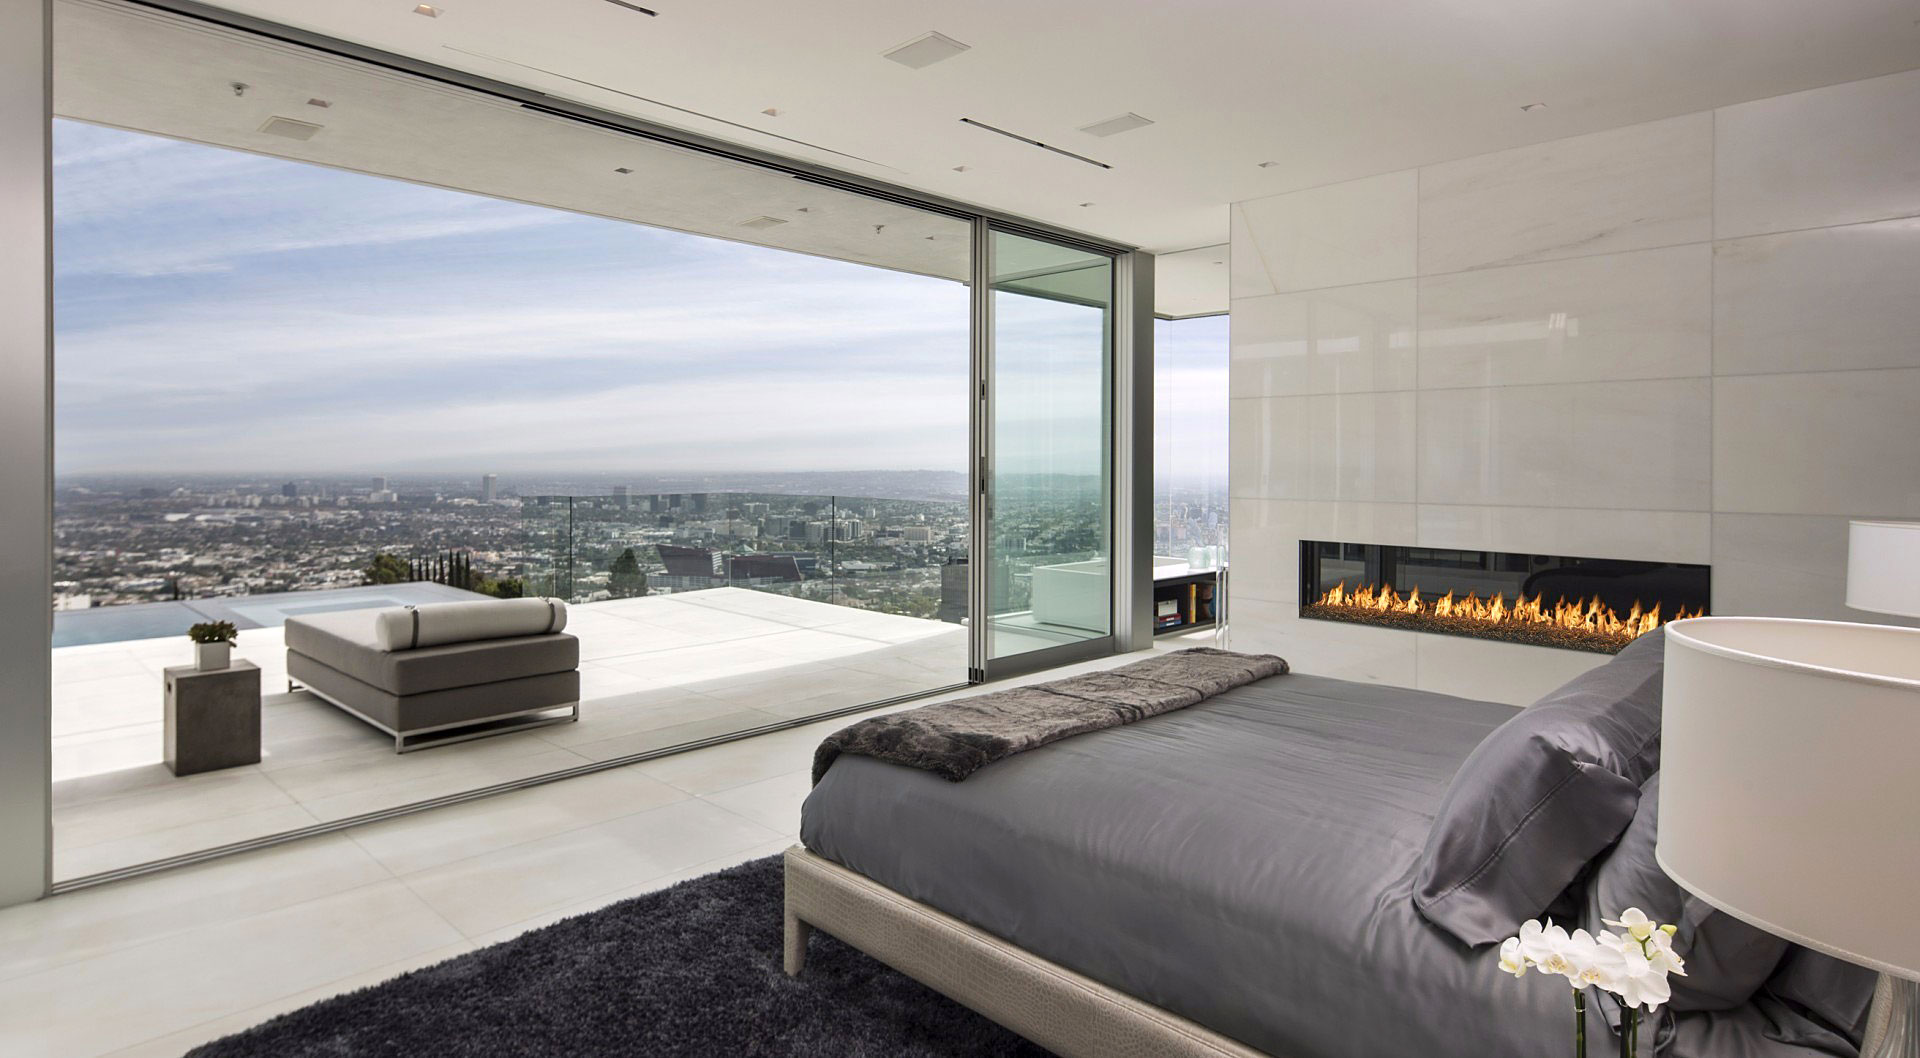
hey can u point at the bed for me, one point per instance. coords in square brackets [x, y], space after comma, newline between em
[1233, 878]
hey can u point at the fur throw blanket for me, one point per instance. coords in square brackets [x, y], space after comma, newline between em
[955, 739]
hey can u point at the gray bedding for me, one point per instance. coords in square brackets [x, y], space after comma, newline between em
[1246, 862]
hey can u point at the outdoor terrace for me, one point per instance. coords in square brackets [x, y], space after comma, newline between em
[656, 672]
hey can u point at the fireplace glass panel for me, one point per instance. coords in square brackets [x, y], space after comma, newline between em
[1594, 604]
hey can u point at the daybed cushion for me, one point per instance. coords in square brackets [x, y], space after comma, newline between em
[345, 641]
[440, 623]
[442, 708]
[1727, 960]
[1542, 797]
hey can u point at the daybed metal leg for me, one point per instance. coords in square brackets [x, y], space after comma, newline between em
[796, 951]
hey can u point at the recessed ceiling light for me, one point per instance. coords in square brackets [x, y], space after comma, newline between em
[1115, 126]
[1533, 106]
[1268, 165]
[772, 112]
[321, 103]
[623, 170]
[290, 128]
[925, 50]
[762, 222]
[428, 10]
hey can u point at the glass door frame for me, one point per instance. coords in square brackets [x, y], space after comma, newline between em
[1128, 460]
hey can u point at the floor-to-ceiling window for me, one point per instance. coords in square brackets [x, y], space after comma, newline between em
[1190, 435]
[331, 339]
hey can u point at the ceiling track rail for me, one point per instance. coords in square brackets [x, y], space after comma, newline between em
[214, 16]
[1031, 142]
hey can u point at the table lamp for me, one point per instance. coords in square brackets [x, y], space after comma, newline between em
[1789, 788]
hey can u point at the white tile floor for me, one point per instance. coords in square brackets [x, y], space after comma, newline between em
[655, 672]
[156, 965]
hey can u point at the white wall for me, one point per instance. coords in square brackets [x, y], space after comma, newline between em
[1692, 340]
[26, 467]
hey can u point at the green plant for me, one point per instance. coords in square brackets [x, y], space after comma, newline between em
[625, 578]
[214, 632]
[388, 569]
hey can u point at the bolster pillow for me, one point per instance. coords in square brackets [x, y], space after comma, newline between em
[440, 623]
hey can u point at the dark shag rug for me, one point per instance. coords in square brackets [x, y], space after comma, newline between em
[689, 971]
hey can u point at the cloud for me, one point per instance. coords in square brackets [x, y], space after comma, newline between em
[208, 319]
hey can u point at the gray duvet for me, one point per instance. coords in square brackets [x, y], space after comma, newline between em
[1246, 862]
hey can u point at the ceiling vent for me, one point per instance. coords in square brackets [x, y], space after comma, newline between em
[291, 129]
[1115, 126]
[925, 50]
[762, 222]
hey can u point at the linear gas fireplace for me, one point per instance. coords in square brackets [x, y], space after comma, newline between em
[1596, 604]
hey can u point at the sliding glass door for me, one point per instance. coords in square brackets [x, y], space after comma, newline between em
[1047, 452]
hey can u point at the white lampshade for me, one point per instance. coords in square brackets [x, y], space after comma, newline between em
[1883, 567]
[1789, 789]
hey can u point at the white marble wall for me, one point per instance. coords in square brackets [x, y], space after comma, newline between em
[1695, 340]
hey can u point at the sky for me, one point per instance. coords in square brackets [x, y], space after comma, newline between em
[223, 312]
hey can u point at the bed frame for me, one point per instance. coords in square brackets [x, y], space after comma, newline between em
[1069, 1014]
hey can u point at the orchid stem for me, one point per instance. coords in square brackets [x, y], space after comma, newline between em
[1579, 1023]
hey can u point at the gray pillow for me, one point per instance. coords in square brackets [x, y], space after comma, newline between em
[1727, 960]
[1543, 795]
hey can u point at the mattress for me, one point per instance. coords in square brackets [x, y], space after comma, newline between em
[1247, 863]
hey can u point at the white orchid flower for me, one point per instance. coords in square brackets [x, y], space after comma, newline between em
[1606, 966]
[1636, 923]
[1660, 953]
[1639, 983]
[1511, 960]
[1554, 951]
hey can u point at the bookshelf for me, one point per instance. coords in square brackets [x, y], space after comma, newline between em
[1186, 602]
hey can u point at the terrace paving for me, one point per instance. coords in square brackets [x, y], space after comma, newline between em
[656, 672]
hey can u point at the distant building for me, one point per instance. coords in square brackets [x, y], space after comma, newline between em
[689, 561]
[623, 497]
[953, 591]
[917, 534]
[762, 569]
[377, 485]
[489, 488]
[290, 490]
[699, 502]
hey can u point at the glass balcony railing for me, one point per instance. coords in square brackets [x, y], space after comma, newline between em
[896, 556]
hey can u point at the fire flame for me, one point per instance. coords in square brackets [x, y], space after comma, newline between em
[1592, 617]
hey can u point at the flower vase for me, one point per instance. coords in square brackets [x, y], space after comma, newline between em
[212, 657]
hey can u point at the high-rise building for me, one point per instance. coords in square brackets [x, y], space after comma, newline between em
[953, 591]
[489, 488]
[623, 497]
[699, 502]
[290, 490]
[377, 484]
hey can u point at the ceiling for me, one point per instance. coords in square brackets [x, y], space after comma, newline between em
[1325, 90]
